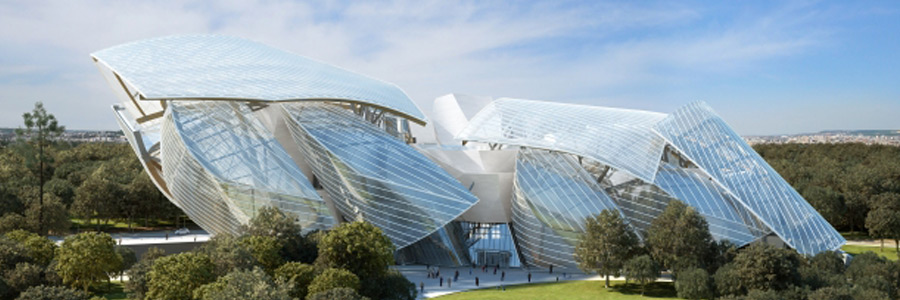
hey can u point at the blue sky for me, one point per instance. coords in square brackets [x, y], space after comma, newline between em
[766, 67]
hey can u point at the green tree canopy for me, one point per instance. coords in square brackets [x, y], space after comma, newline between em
[643, 270]
[244, 284]
[52, 293]
[265, 250]
[272, 222]
[606, 244]
[333, 278]
[679, 238]
[175, 277]
[87, 258]
[694, 283]
[298, 276]
[40, 130]
[358, 247]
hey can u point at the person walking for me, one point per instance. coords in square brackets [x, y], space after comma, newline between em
[442, 281]
[476, 280]
[529, 277]
[551, 269]
[456, 275]
[422, 286]
[502, 275]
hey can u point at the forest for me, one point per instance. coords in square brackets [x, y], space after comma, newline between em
[856, 187]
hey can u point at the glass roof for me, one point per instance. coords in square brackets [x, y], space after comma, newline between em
[225, 67]
[621, 138]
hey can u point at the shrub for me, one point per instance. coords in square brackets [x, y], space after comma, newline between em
[243, 284]
[694, 283]
[390, 286]
[728, 281]
[298, 276]
[643, 270]
[86, 258]
[358, 247]
[337, 294]
[764, 267]
[176, 276]
[52, 293]
[25, 275]
[265, 250]
[333, 278]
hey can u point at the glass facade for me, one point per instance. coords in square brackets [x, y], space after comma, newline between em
[552, 197]
[225, 126]
[236, 165]
[710, 143]
[373, 176]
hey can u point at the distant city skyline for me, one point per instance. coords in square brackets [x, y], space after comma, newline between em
[769, 68]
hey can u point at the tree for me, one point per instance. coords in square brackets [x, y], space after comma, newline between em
[338, 294]
[728, 281]
[40, 249]
[265, 250]
[11, 254]
[12, 221]
[883, 221]
[694, 283]
[87, 258]
[138, 281]
[358, 247]
[244, 284]
[679, 238]
[389, 286]
[333, 278]
[298, 276]
[606, 243]
[96, 196]
[643, 270]
[25, 275]
[52, 293]
[177, 276]
[764, 267]
[40, 128]
[272, 222]
[226, 254]
[51, 216]
[129, 258]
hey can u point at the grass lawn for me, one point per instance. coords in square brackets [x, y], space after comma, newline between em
[889, 251]
[571, 290]
[115, 291]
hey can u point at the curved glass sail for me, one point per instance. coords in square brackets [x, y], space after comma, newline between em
[224, 67]
[371, 175]
[621, 138]
[227, 166]
[708, 141]
[553, 195]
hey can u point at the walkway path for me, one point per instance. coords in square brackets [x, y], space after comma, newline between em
[487, 279]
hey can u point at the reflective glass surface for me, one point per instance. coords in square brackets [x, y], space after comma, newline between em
[241, 159]
[225, 67]
[371, 175]
[708, 141]
[553, 195]
[619, 137]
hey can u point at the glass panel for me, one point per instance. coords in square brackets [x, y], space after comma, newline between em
[710, 143]
[371, 175]
[225, 149]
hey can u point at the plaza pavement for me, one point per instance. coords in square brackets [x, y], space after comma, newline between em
[418, 274]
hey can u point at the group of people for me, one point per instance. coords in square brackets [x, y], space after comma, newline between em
[435, 273]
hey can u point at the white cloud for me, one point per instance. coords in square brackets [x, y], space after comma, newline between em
[543, 51]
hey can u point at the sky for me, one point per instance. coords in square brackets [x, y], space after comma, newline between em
[767, 67]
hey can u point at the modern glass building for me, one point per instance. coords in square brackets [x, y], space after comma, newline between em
[226, 126]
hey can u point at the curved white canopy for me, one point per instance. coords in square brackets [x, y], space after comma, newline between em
[216, 67]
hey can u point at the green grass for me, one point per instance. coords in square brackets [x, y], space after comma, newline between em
[570, 290]
[889, 251]
[855, 235]
[111, 292]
